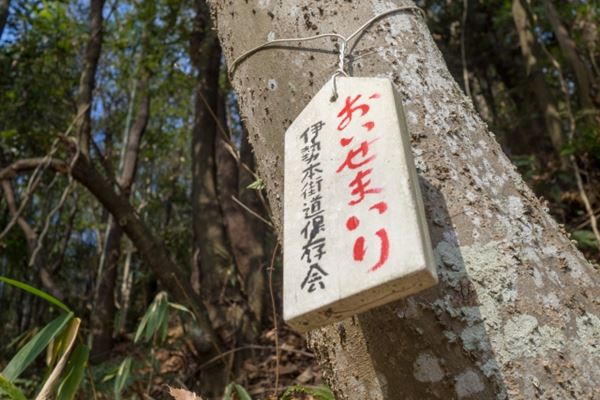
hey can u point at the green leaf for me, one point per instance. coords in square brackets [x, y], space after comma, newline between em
[11, 390]
[239, 390]
[35, 346]
[258, 184]
[155, 320]
[180, 307]
[122, 377]
[318, 392]
[141, 327]
[152, 320]
[163, 319]
[586, 239]
[75, 368]
[36, 292]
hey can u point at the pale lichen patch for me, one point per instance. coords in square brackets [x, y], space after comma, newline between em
[468, 384]
[475, 338]
[514, 206]
[551, 301]
[588, 330]
[426, 368]
[525, 338]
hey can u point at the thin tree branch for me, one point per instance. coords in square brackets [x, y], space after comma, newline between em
[147, 244]
[463, 51]
[254, 213]
[275, 322]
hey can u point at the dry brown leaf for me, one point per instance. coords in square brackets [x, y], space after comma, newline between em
[182, 394]
[305, 376]
[288, 369]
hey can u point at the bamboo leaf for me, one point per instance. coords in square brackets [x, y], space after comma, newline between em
[140, 328]
[69, 341]
[122, 376]
[241, 393]
[10, 389]
[152, 322]
[163, 319]
[180, 307]
[36, 292]
[154, 319]
[77, 363]
[35, 346]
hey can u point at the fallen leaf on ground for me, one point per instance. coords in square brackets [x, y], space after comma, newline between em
[182, 394]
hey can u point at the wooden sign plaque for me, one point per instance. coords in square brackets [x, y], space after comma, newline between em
[355, 233]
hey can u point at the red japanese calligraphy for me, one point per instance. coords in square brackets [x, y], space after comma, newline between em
[360, 249]
[351, 162]
[360, 186]
[349, 109]
[357, 159]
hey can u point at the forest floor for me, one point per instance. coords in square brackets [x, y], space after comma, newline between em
[176, 364]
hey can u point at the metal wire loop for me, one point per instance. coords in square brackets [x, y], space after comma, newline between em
[343, 45]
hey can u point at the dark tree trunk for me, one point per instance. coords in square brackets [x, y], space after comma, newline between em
[246, 246]
[87, 80]
[545, 99]
[4, 8]
[256, 280]
[211, 263]
[103, 320]
[583, 74]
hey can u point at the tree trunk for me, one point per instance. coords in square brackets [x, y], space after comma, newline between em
[257, 242]
[87, 81]
[542, 93]
[245, 244]
[4, 8]
[516, 312]
[212, 262]
[208, 231]
[583, 74]
[103, 320]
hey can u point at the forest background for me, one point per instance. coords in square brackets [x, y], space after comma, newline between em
[164, 204]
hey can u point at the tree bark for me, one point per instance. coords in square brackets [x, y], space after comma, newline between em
[516, 313]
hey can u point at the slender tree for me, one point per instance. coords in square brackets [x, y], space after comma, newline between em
[545, 99]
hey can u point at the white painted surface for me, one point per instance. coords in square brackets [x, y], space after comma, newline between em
[345, 284]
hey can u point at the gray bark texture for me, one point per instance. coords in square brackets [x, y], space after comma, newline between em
[516, 313]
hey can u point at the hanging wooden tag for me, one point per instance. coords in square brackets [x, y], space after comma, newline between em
[355, 233]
